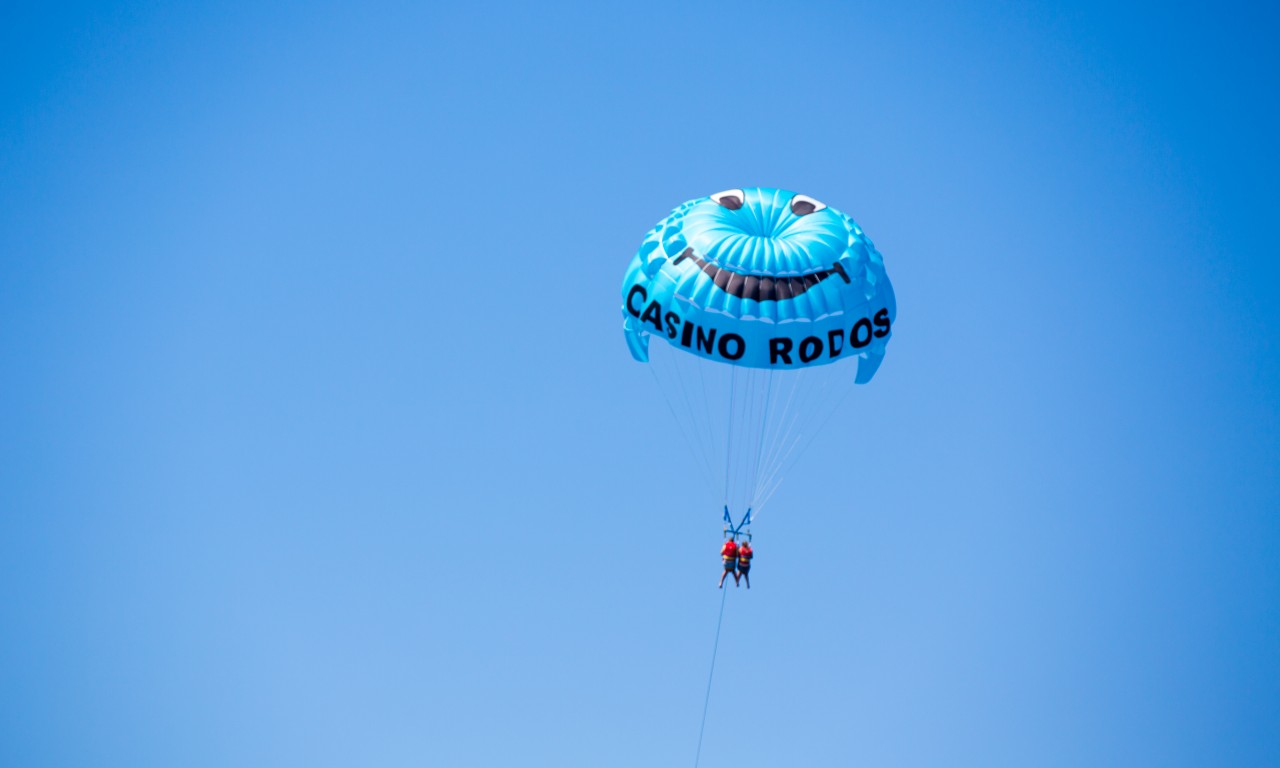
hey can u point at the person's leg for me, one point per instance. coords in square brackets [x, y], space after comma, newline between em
[747, 575]
[736, 577]
[722, 575]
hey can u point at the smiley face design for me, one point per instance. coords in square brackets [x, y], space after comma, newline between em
[763, 278]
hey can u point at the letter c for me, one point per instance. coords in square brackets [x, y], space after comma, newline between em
[637, 288]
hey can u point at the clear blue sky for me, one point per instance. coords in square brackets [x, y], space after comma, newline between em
[320, 444]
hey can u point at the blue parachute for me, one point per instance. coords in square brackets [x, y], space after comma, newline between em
[761, 278]
[758, 294]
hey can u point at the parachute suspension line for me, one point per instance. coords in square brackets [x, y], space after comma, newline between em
[785, 416]
[706, 420]
[758, 435]
[680, 423]
[747, 423]
[783, 439]
[797, 430]
[764, 428]
[773, 425]
[759, 412]
[728, 453]
[761, 390]
[741, 426]
[798, 424]
[694, 421]
[804, 446]
[706, 700]
[812, 435]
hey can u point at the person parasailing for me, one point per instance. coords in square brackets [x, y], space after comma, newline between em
[729, 554]
[745, 553]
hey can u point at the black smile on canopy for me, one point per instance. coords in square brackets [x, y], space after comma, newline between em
[760, 287]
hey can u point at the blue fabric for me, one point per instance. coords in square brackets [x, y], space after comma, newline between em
[765, 284]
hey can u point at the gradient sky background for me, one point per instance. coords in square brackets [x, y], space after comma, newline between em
[320, 444]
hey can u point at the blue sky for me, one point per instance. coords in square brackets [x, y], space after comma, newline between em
[320, 444]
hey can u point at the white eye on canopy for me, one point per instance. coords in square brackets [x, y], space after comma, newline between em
[730, 198]
[803, 205]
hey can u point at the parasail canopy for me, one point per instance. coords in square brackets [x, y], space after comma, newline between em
[761, 278]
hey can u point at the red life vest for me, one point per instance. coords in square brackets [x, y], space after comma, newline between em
[729, 551]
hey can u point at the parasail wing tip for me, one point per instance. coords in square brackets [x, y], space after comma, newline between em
[637, 340]
[868, 364]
